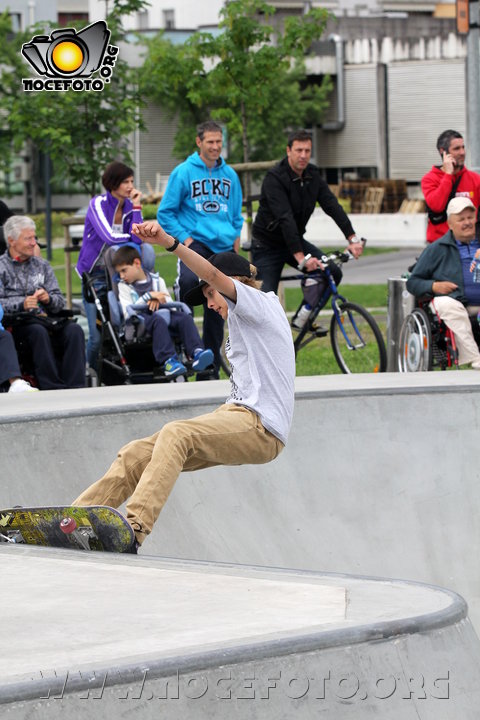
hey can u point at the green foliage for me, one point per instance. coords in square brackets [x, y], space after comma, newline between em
[81, 131]
[149, 211]
[56, 220]
[249, 77]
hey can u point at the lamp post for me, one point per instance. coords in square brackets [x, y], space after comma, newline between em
[468, 19]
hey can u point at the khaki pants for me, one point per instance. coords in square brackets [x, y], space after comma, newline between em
[146, 470]
[456, 317]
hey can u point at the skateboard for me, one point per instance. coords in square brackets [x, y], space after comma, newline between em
[77, 528]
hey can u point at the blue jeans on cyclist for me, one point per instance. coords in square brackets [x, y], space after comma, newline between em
[270, 260]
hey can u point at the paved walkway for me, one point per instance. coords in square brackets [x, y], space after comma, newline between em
[376, 269]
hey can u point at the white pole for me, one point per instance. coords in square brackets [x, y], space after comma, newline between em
[473, 88]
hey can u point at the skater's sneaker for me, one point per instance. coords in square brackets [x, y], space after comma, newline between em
[202, 359]
[20, 385]
[173, 367]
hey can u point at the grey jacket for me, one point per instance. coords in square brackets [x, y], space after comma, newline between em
[19, 279]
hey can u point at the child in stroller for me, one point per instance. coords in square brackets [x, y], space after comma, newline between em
[141, 294]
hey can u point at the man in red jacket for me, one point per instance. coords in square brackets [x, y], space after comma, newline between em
[446, 181]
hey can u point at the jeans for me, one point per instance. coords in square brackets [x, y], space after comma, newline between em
[269, 262]
[9, 367]
[181, 325]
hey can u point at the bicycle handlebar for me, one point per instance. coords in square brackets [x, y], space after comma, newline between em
[339, 257]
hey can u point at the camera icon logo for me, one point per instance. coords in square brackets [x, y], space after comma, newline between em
[66, 53]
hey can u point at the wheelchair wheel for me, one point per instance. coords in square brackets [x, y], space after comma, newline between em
[357, 341]
[415, 343]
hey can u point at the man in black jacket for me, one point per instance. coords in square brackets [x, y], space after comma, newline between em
[289, 194]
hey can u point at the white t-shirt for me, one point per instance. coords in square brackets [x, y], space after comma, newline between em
[262, 358]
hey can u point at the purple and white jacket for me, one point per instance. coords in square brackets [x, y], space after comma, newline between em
[98, 233]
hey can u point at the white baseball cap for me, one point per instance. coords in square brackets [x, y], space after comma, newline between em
[457, 204]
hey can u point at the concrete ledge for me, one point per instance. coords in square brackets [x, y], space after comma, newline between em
[381, 230]
[52, 404]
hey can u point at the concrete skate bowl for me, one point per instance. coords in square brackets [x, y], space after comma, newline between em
[97, 635]
[380, 476]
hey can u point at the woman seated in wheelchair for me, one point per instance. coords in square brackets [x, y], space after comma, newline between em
[444, 270]
[141, 294]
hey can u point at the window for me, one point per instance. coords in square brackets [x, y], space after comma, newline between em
[16, 19]
[142, 17]
[169, 19]
[65, 19]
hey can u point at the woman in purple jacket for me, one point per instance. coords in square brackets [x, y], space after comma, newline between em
[108, 222]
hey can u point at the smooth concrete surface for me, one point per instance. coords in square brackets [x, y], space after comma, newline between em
[380, 475]
[378, 269]
[111, 636]
[380, 229]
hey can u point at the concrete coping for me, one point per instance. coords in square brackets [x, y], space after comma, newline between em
[362, 609]
[52, 404]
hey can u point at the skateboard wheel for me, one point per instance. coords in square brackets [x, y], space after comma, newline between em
[68, 525]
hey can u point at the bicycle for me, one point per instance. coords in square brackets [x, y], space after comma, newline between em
[356, 339]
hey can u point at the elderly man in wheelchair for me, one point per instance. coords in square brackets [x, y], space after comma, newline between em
[50, 345]
[443, 276]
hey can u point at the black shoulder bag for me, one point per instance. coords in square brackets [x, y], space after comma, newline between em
[436, 218]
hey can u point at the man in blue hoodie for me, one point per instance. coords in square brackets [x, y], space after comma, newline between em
[202, 208]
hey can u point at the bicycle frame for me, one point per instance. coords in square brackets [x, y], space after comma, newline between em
[330, 291]
[352, 328]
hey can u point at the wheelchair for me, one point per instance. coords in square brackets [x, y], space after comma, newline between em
[24, 350]
[426, 343]
[126, 355]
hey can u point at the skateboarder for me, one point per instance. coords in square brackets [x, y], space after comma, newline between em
[253, 424]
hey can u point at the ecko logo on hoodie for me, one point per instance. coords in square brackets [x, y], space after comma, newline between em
[211, 186]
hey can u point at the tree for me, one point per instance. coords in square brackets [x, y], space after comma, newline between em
[80, 131]
[249, 77]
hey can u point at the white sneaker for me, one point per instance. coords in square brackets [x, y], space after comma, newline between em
[20, 385]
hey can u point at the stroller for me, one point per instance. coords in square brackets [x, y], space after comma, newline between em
[126, 355]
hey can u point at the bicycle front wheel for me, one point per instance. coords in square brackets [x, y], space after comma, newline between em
[357, 341]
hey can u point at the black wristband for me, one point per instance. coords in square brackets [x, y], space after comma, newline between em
[173, 247]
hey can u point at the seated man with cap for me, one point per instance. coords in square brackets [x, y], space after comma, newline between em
[444, 271]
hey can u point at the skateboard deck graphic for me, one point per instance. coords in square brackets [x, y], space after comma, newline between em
[81, 528]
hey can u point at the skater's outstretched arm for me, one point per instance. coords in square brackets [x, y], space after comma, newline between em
[153, 233]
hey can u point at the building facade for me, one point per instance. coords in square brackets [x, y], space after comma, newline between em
[398, 70]
[399, 80]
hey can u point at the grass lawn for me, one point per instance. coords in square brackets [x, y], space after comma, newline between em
[315, 359]
[370, 296]
[166, 265]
